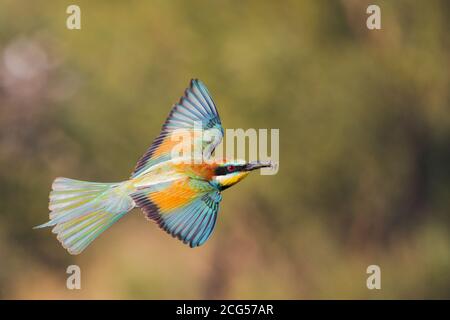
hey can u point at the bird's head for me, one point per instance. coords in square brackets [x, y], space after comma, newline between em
[229, 173]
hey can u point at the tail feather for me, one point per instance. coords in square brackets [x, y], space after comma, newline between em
[81, 211]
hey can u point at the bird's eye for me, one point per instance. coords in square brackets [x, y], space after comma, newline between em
[230, 168]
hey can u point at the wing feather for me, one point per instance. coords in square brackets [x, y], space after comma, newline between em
[195, 107]
[186, 210]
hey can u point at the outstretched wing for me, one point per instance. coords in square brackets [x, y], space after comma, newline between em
[196, 115]
[186, 209]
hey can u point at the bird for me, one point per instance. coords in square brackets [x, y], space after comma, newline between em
[180, 193]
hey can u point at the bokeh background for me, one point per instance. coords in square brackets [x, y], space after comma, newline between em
[364, 123]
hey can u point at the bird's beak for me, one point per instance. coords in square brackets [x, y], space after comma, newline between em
[257, 165]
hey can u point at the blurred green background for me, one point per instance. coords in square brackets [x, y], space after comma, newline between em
[364, 123]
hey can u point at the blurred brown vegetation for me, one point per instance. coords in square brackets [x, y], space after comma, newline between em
[364, 140]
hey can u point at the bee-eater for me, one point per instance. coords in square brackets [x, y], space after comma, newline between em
[182, 197]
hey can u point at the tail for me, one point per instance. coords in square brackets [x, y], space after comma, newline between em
[81, 211]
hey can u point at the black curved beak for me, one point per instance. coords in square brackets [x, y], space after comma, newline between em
[257, 165]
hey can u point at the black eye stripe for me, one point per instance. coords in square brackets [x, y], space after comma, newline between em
[220, 171]
[223, 170]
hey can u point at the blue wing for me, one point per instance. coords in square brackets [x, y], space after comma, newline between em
[195, 108]
[192, 223]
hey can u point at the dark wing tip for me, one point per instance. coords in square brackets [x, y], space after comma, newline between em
[150, 209]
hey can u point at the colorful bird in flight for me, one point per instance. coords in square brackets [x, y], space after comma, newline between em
[181, 196]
